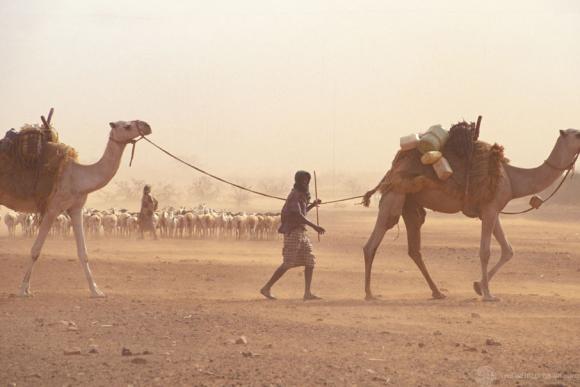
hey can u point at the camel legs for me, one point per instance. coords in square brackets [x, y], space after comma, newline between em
[77, 223]
[390, 209]
[488, 223]
[43, 231]
[507, 253]
[414, 217]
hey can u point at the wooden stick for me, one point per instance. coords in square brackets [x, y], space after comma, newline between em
[316, 198]
[477, 126]
[45, 123]
[50, 115]
[468, 170]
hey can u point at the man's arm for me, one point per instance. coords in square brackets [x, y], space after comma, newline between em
[305, 221]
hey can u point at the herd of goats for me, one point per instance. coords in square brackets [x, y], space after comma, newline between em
[199, 223]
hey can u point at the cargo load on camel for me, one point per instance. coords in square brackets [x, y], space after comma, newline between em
[31, 161]
[453, 161]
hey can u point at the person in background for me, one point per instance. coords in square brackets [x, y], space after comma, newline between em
[148, 208]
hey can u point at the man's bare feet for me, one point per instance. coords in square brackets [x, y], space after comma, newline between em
[266, 293]
[311, 297]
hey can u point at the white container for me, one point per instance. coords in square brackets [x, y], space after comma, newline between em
[433, 140]
[431, 158]
[443, 169]
[410, 142]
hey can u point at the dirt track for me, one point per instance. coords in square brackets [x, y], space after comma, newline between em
[186, 302]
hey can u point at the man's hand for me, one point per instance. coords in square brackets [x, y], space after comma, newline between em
[315, 203]
[319, 230]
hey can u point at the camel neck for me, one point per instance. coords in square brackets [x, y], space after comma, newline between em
[95, 176]
[525, 182]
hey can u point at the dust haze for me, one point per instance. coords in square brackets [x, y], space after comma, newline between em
[253, 91]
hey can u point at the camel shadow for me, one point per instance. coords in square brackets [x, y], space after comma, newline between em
[380, 303]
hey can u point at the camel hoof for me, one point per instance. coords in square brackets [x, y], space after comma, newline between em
[370, 297]
[438, 296]
[98, 294]
[490, 299]
[477, 288]
[25, 294]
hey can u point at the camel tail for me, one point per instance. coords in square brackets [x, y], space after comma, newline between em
[366, 200]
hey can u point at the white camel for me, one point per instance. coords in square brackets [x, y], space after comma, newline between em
[72, 189]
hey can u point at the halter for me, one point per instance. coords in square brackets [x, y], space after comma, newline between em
[132, 142]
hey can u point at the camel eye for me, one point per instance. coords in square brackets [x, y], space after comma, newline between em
[127, 127]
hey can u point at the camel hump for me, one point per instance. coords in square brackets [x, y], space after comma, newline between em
[38, 163]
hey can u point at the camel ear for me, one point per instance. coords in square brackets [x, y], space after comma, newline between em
[562, 133]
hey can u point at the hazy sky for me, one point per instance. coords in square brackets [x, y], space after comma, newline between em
[265, 87]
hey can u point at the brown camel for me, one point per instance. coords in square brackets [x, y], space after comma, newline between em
[72, 189]
[515, 183]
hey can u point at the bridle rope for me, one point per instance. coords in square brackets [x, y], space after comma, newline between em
[133, 142]
[569, 169]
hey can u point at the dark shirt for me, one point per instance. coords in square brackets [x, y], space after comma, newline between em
[296, 204]
[148, 205]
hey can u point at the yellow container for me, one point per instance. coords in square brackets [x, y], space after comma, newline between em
[433, 140]
[431, 158]
[443, 169]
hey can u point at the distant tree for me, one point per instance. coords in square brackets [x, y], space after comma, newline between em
[167, 194]
[241, 197]
[276, 187]
[353, 186]
[135, 189]
[203, 189]
[122, 191]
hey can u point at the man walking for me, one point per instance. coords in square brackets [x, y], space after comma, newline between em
[297, 250]
[148, 208]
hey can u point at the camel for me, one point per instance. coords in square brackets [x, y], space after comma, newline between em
[75, 183]
[515, 183]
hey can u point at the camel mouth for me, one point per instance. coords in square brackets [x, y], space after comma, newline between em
[144, 128]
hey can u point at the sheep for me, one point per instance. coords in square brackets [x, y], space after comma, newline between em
[109, 222]
[95, 222]
[10, 219]
[61, 226]
[122, 223]
[199, 222]
[132, 225]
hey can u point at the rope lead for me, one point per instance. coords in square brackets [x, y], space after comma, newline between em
[366, 197]
[224, 180]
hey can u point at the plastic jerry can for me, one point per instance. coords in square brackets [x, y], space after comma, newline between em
[410, 142]
[443, 169]
[433, 140]
[431, 158]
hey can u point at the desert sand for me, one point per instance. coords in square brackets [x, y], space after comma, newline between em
[179, 307]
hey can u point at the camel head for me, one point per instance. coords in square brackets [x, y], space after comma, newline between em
[125, 131]
[570, 140]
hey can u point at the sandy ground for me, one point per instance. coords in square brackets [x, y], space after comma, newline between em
[179, 307]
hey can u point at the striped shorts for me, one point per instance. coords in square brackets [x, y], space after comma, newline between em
[297, 250]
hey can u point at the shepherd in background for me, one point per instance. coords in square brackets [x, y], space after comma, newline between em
[148, 208]
[297, 250]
